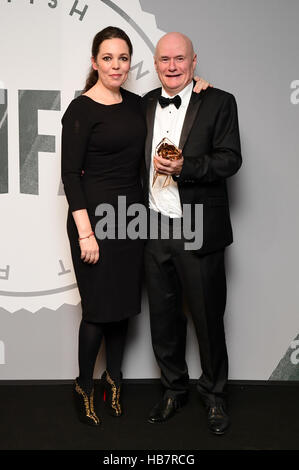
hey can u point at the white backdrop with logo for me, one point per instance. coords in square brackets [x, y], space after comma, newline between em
[247, 49]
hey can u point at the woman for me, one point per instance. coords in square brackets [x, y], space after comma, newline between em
[102, 148]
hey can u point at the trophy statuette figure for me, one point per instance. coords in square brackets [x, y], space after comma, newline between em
[166, 149]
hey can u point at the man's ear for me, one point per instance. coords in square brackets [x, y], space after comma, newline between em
[194, 61]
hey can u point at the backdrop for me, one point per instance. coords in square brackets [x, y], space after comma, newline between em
[249, 48]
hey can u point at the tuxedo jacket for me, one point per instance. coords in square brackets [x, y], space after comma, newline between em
[210, 144]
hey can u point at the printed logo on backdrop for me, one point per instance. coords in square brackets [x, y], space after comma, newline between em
[45, 59]
[288, 366]
[2, 352]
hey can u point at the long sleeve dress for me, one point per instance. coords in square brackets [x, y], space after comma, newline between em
[102, 151]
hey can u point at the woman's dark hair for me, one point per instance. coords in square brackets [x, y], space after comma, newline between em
[110, 32]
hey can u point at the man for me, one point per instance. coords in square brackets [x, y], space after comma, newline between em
[205, 127]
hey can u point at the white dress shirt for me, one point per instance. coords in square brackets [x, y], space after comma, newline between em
[168, 123]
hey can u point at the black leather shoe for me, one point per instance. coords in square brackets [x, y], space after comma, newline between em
[218, 419]
[85, 405]
[164, 410]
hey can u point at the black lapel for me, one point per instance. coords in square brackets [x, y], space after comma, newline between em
[150, 121]
[192, 110]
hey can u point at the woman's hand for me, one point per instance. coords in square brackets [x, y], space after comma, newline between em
[201, 84]
[90, 252]
[87, 241]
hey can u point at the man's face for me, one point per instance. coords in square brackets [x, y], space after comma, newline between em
[175, 62]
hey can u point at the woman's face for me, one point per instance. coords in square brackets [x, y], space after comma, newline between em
[112, 62]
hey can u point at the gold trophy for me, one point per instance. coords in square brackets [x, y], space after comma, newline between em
[166, 149]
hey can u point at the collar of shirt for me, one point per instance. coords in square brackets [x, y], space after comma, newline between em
[184, 94]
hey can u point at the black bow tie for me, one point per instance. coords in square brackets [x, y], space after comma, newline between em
[167, 101]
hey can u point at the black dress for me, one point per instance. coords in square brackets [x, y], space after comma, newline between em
[102, 151]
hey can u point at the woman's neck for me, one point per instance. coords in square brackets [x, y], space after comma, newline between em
[104, 95]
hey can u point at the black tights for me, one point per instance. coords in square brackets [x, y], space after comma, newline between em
[90, 339]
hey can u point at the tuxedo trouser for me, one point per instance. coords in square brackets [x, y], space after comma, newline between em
[175, 275]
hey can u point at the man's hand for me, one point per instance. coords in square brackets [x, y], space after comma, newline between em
[167, 166]
[201, 84]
